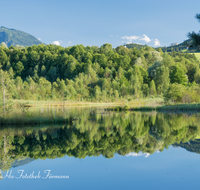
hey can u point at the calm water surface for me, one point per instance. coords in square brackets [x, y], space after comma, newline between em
[103, 150]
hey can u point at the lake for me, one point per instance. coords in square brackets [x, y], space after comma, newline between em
[98, 149]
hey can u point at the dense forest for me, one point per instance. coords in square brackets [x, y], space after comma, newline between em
[97, 73]
[97, 134]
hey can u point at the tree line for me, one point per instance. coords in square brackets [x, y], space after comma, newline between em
[94, 73]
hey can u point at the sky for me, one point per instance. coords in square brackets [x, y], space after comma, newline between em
[96, 22]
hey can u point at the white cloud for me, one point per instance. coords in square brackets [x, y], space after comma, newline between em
[156, 42]
[131, 38]
[39, 39]
[145, 38]
[134, 154]
[56, 43]
[138, 154]
[69, 42]
[111, 36]
[147, 155]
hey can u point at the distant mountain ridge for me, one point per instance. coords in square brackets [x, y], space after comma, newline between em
[22, 162]
[17, 37]
[185, 46]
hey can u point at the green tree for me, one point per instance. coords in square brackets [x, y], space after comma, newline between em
[135, 85]
[177, 75]
[174, 93]
[62, 88]
[116, 93]
[145, 90]
[152, 88]
[162, 79]
[97, 92]
[195, 37]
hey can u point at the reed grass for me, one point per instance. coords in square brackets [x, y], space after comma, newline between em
[35, 117]
[169, 108]
[54, 103]
[151, 102]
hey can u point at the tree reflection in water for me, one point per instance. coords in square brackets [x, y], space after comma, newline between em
[97, 134]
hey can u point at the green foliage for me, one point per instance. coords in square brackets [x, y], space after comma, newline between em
[145, 90]
[174, 93]
[162, 79]
[177, 75]
[152, 88]
[81, 73]
[180, 93]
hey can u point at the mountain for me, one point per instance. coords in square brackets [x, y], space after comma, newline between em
[21, 162]
[17, 37]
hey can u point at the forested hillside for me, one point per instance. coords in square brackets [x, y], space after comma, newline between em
[98, 74]
[17, 37]
[186, 46]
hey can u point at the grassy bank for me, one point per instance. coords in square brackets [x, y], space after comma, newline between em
[153, 102]
[168, 108]
[55, 112]
[57, 103]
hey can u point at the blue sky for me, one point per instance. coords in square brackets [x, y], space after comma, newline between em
[95, 22]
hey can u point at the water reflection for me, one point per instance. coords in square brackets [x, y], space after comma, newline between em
[97, 134]
[192, 146]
